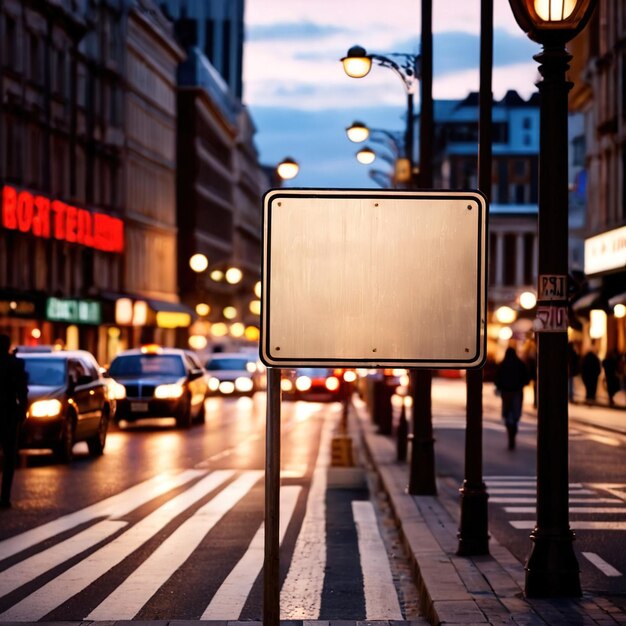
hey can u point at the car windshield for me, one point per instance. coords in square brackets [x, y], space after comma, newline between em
[46, 372]
[137, 365]
[227, 364]
[312, 372]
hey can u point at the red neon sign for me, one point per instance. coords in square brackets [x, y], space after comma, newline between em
[42, 217]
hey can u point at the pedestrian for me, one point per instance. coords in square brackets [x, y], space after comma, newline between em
[590, 369]
[531, 364]
[511, 378]
[611, 378]
[573, 368]
[13, 403]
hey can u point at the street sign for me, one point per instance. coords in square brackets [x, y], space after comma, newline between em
[364, 278]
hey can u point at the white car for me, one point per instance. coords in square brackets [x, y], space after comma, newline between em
[233, 374]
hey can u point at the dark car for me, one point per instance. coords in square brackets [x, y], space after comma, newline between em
[312, 383]
[159, 382]
[68, 401]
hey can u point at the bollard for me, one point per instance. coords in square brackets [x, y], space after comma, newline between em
[382, 407]
[403, 431]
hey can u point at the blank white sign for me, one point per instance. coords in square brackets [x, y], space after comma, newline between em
[363, 278]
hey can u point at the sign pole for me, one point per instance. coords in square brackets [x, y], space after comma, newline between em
[271, 582]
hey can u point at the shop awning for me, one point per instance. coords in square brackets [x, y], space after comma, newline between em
[620, 298]
[171, 314]
[588, 301]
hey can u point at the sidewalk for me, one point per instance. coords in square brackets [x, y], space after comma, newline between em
[468, 590]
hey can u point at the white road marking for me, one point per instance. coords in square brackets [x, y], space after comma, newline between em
[575, 525]
[233, 592]
[523, 500]
[606, 568]
[128, 599]
[381, 599]
[573, 492]
[28, 569]
[573, 509]
[301, 594]
[118, 505]
[69, 583]
[522, 483]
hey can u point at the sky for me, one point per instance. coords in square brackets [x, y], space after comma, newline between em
[301, 100]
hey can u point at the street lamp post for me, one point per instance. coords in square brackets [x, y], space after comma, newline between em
[552, 568]
[287, 169]
[357, 64]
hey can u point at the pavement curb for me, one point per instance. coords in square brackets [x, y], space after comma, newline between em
[464, 590]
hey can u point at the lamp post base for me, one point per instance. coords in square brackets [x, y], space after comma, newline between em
[552, 569]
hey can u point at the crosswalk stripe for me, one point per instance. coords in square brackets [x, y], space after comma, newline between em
[572, 509]
[233, 592]
[28, 569]
[301, 594]
[69, 583]
[575, 525]
[128, 599]
[523, 500]
[606, 568]
[503, 491]
[381, 599]
[119, 505]
[522, 483]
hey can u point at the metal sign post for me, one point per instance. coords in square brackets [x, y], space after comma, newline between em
[271, 577]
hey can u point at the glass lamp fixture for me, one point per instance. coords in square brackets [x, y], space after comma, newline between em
[198, 262]
[357, 132]
[357, 63]
[546, 21]
[527, 300]
[233, 275]
[288, 168]
[366, 156]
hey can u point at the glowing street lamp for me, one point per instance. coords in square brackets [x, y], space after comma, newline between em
[552, 568]
[198, 262]
[288, 168]
[366, 156]
[357, 132]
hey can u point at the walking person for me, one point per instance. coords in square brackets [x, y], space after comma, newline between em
[573, 369]
[13, 402]
[590, 369]
[511, 378]
[610, 365]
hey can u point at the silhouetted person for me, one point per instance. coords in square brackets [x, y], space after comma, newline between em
[13, 402]
[590, 369]
[573, 368]
[610, 365]
[511, 378]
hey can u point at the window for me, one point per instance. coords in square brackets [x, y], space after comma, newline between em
[578, 151]
[527, 123]
[10, 42]
[226, 51]
[33, 60]
[510, 258]
[209, 39]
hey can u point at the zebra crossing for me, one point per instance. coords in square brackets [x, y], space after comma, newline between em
[516, 496]
[69, 561]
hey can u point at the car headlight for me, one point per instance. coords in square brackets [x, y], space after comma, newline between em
[332, 383]
[349, 376]
[227, 386]
[117, 391]
[169, 392]
[45, 408]
[214, 383]
[303, 383]
[243, 384]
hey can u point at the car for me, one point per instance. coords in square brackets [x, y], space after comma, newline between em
[155, 381]
[316, 384]
[233, 374]
[68, 401]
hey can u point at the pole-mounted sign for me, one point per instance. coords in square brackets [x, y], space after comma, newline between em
[374, 278]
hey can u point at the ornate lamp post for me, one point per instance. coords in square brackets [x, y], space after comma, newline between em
[358, 63]
[288, 168]
[552, 568]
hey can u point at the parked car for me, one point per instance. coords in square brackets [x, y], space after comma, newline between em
[68, 401]
[159, 382]
[316, 384]
[233, 374]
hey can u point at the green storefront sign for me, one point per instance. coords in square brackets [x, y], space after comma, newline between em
[73, 311]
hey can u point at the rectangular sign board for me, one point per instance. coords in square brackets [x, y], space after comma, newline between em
[374, 278]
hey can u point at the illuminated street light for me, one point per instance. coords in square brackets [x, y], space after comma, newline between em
[257, 289]
[357, 63]
[366, 156]
[233, 275]
[288, 168]
[198, 262]
[527, 300]
[357, 132]
[203, 309]
[505, 315]
[619, 311]
[552, 568]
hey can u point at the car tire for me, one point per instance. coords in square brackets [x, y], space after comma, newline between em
[200, 418]
[97, 442]
[183, 419]
[64, 449]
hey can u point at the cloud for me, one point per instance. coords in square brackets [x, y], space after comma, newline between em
[292, 30]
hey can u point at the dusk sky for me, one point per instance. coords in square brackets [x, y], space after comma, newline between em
[301, 100]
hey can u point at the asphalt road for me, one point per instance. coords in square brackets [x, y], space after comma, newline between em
[167, 524]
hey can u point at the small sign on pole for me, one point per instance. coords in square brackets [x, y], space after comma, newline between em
[374, 278]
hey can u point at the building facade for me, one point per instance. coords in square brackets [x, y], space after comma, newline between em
[598, 71]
